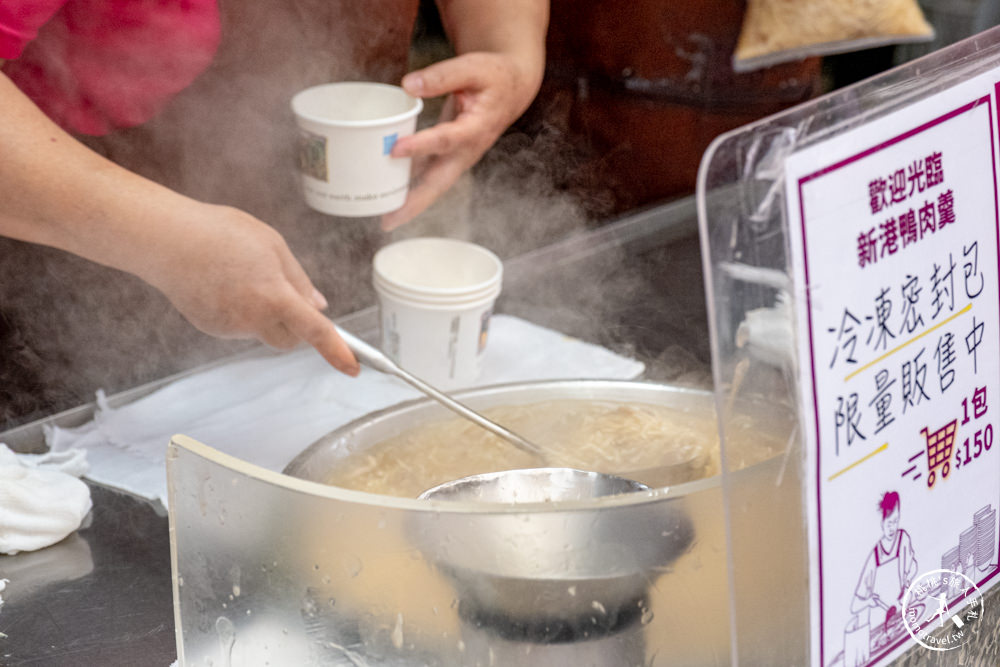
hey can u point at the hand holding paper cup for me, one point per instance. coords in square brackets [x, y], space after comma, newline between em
[347, 131]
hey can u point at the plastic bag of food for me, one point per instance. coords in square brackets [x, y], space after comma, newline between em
[777, 31]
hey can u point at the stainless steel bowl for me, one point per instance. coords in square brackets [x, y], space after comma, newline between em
[581, 561]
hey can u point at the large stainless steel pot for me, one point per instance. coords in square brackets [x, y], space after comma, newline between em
[549, 568]
[647, 569]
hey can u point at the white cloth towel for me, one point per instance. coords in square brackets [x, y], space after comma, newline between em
[41, 499]
[266, 410]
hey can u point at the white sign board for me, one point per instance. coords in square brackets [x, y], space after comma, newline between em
[894, 234]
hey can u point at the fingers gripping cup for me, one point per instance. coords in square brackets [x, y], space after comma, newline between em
[435, 299]
[346, 133]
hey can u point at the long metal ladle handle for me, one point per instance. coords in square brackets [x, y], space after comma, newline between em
[375, 359]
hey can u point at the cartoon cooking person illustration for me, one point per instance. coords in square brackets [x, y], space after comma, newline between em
[876, 606]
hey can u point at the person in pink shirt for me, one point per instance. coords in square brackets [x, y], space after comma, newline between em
[70, 69]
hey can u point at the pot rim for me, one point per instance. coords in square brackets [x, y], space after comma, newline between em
[298, 465]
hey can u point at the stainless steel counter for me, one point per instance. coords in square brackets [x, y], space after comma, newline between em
[100, 597]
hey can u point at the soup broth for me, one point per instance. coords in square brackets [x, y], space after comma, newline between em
[603, 436]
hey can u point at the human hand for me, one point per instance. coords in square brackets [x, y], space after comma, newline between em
[487, 92]
[228, 273]
[232, 276]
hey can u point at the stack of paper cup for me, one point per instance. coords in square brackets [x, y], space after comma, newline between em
[435, 298]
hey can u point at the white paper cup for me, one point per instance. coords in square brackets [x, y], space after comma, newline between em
[346, 132]
[435, 300]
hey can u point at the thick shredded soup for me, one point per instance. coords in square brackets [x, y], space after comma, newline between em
[653, 444]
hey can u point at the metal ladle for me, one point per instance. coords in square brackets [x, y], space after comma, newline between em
[533, 485]
[506, 486]
[375, 359]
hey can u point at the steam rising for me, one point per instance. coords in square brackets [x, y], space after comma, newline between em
[69, 327]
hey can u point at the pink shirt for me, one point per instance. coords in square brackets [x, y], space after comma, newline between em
[94, 65]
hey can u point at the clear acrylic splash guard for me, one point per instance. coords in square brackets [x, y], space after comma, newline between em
[270, 569]
[850, 254]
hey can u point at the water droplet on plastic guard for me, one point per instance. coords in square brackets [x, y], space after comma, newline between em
[227, 638]
[397, 632]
